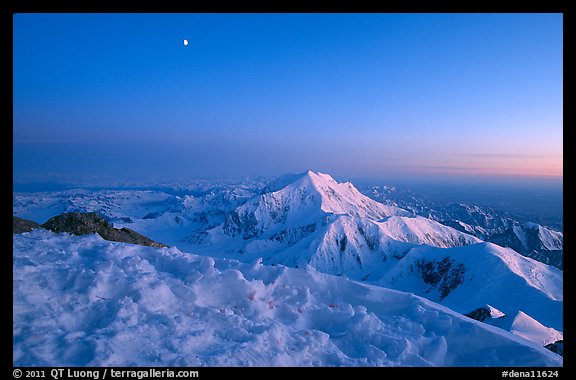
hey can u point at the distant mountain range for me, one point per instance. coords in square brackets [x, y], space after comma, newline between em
[539, 242]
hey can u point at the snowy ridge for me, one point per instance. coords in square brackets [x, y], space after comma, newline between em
[83, 301]
[481, 274]
[529, 328]
[345, 199]
[360, 248]
[549, 239]
[419, 230]
[530, 239]
[520, 324]
[552, 240]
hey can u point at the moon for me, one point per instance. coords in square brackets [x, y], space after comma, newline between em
[185, 42]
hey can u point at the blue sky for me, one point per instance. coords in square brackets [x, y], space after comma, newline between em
[373, 95]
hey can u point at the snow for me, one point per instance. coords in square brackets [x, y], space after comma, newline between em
[521, 234]
[84, 301]
[419, 230]
[547, 279]
[307, 198]
[345, 199]
[495, 313]
[551, 240]
[310, 219]
[492, 275]
[467, 227]
[529, 328]
[305, 221]
[135, 204]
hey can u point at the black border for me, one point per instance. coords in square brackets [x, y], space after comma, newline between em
[10, 7]
[179, 6]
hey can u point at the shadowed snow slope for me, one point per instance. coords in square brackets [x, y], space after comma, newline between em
[481, 274]
[84, 301]
[527, 327]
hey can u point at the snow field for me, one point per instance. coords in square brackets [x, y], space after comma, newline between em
[84, 301]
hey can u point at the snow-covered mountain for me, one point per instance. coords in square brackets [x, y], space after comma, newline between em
[84, 301]
[530, 239]
[303, 200]
[180, 213]
[535, 241]
[466, 278]
[313, 208]
[519, 324]
[312, 222]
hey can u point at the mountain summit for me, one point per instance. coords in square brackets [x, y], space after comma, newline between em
[321, 191]
[311, 219]
[301, 200]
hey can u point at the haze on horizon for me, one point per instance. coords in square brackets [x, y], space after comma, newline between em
[357, 95]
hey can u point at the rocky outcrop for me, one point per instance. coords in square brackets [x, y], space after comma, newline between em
[20, 225]
[479, 314]
[444, 275]
[556, 347]
[78, 223]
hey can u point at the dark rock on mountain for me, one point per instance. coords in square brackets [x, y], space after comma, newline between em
[78, 223]
[245, 225]
[291, 236]
[20, 225]
[479, 314]
[444, 275]
[556, 347]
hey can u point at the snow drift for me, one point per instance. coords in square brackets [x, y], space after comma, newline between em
[84, 301]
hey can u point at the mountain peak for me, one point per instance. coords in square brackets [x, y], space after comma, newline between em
[297, 179]
[317, 176]
[333, 196]
[299, 200]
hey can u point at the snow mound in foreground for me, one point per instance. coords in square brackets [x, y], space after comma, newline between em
[86, 301]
